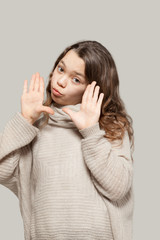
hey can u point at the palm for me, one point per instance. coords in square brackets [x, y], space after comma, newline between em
[32, 100]
[84, 118]
[31, 103]
[90, 108]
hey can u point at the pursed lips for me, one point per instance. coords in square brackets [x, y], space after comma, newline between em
[57, 91]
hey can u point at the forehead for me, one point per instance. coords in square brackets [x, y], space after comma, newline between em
[72, 60]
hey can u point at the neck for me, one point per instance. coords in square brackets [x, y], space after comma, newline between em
[57, 105]
[60, 118]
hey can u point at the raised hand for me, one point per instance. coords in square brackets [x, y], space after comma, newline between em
[31, 101]
[90, 108]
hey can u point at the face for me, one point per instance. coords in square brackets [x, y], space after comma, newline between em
[69, 79]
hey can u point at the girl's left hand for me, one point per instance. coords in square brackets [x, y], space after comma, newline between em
[90, 108]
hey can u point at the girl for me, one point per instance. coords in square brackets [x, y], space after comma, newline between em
[72, 167]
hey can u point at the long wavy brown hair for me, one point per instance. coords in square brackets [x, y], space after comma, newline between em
[100, 67]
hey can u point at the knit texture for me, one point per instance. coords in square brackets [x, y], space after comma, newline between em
[71, 184]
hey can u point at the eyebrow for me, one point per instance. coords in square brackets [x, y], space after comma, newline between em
[77, 73]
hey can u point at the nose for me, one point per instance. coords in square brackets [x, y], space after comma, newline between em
[62, 81]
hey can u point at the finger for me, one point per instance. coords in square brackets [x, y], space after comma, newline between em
[91, 91]
[25, 86]
[36, 83]
[31, 87]
[100, 100]
[47, 110]
[69, 112]
[41, 87]
[95, 95]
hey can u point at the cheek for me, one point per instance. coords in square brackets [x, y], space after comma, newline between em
[54, 73]
[84, 89]
[53, 78]
[80, 93]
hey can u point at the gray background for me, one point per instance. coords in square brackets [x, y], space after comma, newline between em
[33, 34]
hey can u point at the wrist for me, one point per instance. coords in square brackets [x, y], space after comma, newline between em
[92, 130]
[28, 119]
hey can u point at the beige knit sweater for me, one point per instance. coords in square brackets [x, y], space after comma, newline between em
[71, 184]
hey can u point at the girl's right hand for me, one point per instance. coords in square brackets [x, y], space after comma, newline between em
[31, 102]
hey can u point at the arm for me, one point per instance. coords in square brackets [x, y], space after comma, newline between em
[17, 133]
[110, 166]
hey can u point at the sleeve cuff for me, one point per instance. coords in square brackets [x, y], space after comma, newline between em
[17, 133]
[25, 121]
[95, 129]
[21, 130]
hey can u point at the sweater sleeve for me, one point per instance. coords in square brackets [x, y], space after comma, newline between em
[110, 165]
[17, 133]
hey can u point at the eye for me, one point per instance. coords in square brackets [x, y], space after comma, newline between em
[60, 68]
[77, 80]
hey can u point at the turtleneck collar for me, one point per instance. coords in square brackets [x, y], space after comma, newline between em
[61, 118]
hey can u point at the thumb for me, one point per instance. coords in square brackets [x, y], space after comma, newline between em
[47, 110]
[68, 111]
